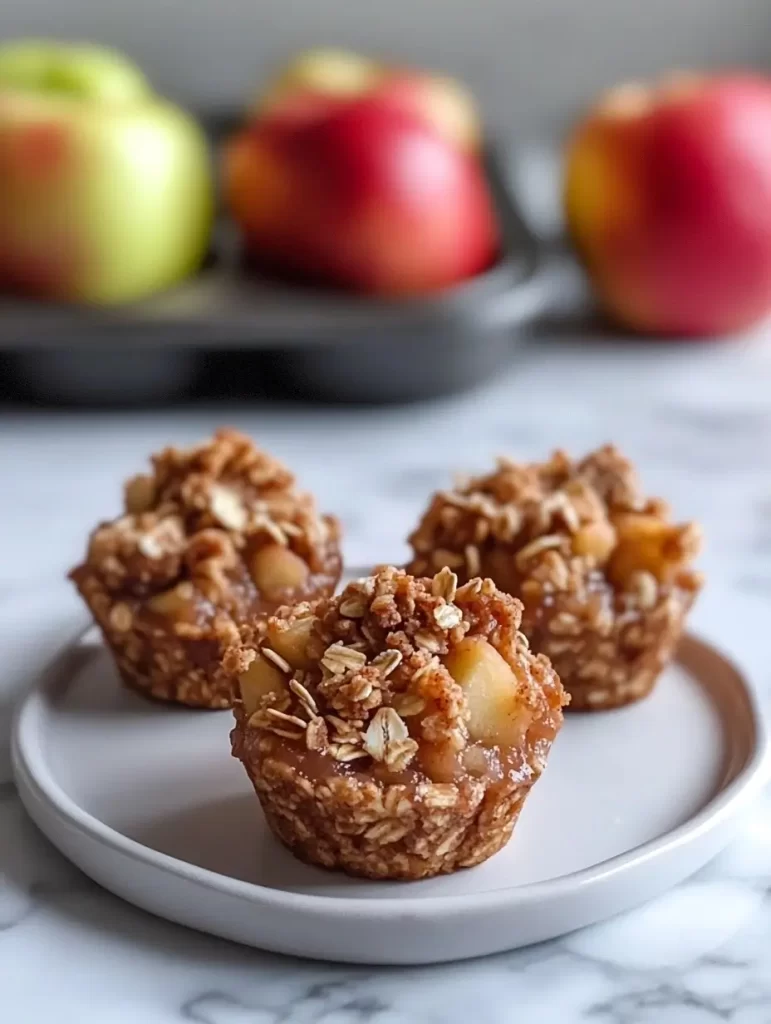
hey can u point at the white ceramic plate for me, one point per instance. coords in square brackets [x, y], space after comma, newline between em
[147, 801]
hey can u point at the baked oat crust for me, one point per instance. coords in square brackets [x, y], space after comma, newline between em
[169, 580]
[362, 758]
[604, 575]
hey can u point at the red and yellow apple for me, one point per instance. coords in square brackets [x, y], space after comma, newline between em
[340, 75]
[362, 195]
[668, 200]
[106, 190]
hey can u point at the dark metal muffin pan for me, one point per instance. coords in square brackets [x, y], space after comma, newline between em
[296, 340]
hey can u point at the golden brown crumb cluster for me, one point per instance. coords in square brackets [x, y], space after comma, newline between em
[213, 534]
[364, 747]
[603, 573]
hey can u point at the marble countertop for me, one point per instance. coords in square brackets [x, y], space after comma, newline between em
[698, 420]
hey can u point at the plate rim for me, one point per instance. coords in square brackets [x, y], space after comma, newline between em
[36, 781]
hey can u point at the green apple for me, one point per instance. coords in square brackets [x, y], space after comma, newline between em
[106, 189]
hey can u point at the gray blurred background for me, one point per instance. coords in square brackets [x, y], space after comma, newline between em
[532, 63]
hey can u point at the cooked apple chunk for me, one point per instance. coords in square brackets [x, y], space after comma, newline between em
[262, 677]
[496, 713]
[290, 639]
[276, 569]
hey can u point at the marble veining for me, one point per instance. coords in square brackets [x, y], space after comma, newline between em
[699, 422]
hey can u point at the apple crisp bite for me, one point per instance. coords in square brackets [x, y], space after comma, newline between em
[213, 535]
[603, 573]
[394, 731]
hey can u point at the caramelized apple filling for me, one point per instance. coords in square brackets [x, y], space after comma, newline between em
[498, 717]
[647, 543]
[437, 699]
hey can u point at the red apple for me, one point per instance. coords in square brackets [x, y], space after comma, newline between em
[668, 199]
[339, 76]
[364, 196]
